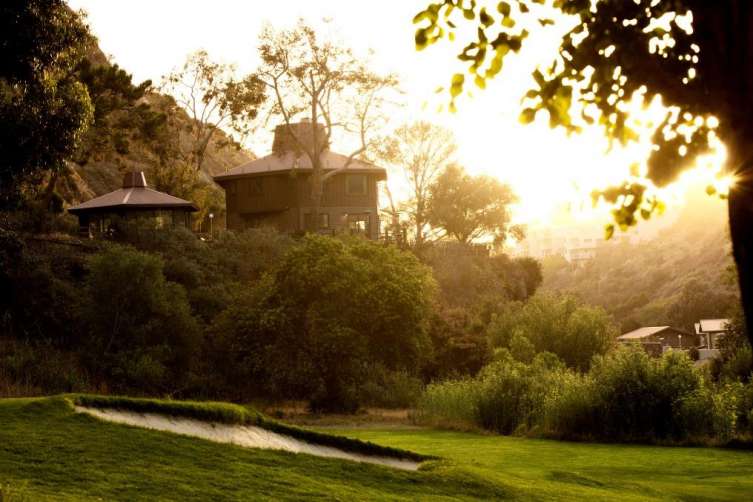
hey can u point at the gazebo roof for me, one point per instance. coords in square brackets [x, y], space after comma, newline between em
[135, 194]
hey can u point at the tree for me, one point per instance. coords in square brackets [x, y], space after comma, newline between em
[140, 325]
[694, 54]
[469, 207]
[44, 109]
[697, 301]
[213, 98]
[421, 150]
[559, 324]
[328, 85]
[328, 310]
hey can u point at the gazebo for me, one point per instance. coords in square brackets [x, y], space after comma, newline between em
[99, 216]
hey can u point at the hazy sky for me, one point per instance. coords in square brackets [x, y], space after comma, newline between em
[546, 168]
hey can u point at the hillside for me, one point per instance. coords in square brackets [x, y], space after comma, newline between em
[138, 128]
[640, 284]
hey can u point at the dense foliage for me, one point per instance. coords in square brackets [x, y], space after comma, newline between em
[626, 396]
[44, 108]
[561, 325]
[330, 310]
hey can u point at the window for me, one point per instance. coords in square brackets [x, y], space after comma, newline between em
[308, 221]
[256, 187]
[359, 223]
[355, 184]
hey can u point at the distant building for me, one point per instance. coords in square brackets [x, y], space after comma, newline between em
[577, 244]
[135, 200]
[275, 190]
[711, 331]
[658, 339]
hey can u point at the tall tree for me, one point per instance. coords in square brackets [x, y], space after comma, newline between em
[44, 109]
[214, 98]
[695, 54]
[421, 151]
[325, 83]
[468, 207]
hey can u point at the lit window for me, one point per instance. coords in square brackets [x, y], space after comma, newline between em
[358, 223]
[355, 184]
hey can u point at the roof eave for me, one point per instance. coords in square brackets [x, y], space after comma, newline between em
[380, 172]
[185, 207]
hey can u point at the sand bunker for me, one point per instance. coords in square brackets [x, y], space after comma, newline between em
[241, 435]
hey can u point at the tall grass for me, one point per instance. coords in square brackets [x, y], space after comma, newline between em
[626, 396]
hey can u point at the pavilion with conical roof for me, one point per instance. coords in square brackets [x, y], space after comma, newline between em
[135, 200]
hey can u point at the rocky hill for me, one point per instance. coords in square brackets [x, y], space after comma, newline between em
[138, 128]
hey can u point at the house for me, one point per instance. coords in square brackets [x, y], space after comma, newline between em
[275, 190]
[711, 330]
[657, 339]
[135, 200]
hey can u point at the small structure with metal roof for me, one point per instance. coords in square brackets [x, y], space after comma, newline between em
[657, 339]
[135, 200]
[276, 191]
[711, 330]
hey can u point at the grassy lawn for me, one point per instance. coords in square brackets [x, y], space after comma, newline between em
[556, 470]
[52, 453]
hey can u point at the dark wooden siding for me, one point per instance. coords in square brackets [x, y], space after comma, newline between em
[260, 194]
[283, 200]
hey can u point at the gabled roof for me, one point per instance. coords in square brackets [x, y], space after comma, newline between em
[640, 333]
[288, 161]
[134, 198]
[713, 325]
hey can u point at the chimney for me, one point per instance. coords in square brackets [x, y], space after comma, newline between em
[135, 179]
[285, 143]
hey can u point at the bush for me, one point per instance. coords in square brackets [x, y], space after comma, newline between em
[558, 324]
[28, 369]
[626, 396]
[328, 309]
[390, 389]
[453, 403]
[142, 332]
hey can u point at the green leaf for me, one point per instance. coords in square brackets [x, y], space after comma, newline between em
[527, 116]
[609, 231]
[480, 82]
[456, 86]
[503, 8]
[710, 189]
[485, 18]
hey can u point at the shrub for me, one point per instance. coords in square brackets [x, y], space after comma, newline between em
[40, 368]
[329, 308]
[558, 324]
[390, 389]
[452, 403]
[142, 333]
[626, 396]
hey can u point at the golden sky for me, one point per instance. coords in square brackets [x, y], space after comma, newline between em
[547, 169]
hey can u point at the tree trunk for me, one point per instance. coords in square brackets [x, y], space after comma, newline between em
[741, 231]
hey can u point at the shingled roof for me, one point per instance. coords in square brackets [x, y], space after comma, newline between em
[288, 156]
[288, 161]
[135, 194]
